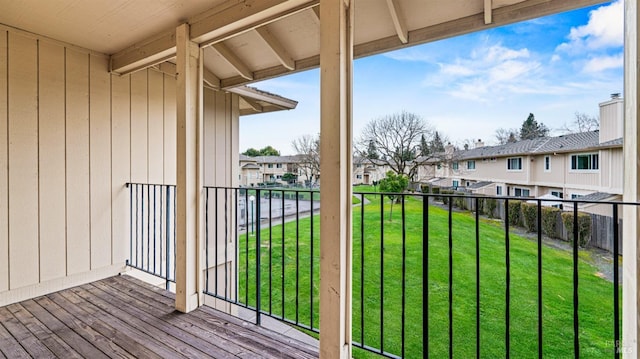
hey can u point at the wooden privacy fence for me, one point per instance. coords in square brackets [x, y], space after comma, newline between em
[601, 229]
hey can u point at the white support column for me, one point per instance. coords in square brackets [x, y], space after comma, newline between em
[631, 214]
[189, 170]
[336, 63]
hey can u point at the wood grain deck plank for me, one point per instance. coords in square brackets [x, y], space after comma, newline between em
[51, 340]
[184, 342]
[28, 341]
[9, 346]
[137, 343]
[106, 346]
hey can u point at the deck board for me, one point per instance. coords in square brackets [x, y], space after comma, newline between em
[122, 317]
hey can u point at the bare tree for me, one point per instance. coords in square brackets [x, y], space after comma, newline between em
[506, 135]
[582, 123]
[398, 140]
[307, 148]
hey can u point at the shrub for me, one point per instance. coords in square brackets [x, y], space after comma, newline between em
[584, 227]
[480, 207]
[445, 199]
[549, 220]
[490, 205]
[515, 216]
[530, 214]
[436, 190]
[425, 188]
[459, 202]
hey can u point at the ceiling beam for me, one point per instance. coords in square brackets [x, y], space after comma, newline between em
[488, 15]
[398, 21]
[226, 20]
[276, 47]
[316, 13]
[500, 16]
[232, 59]
[210, 80]
[144, 54]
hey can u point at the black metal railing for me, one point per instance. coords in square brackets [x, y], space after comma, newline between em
[152, 241]
[262, 252]
[433, 274]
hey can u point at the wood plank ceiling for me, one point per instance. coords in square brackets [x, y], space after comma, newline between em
[249, 40]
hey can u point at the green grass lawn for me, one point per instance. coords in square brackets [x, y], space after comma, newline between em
[301, 293]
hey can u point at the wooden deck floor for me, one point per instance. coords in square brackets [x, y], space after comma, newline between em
[122, 317]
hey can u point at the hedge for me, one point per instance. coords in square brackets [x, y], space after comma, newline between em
[515, 215]
[529, 214]
[584, 227]
[549, 221]
[490, 205]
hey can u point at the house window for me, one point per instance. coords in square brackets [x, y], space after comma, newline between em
[455, 165]
[494, 159]
[358, 176]
[576, 196]
[279, 165]
[547, 163]
[471, 165]
[514, 164]
[439, 166]
[521, 192]
[587, 161]
[456, 183]
[270, 165]
[467, 184]
[498, 190]
[557, 194]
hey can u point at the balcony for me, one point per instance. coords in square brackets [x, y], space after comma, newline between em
[124, 317]
[433, 274]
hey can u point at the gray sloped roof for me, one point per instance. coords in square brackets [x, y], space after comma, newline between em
[479, 184]
[597, 196]
[564, 143]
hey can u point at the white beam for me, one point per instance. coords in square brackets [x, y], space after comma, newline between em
[232, 59]
[488, 9]
[252, 103]
[189, 170]
[276, 48]
[147, 53]
[336, 76]
[398, 21]
[239, 16]
[210, 79]
[631, 214]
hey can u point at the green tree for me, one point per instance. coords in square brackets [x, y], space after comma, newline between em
[393, 184]
[531, 129]
[372, 151]
[437, 145]
[289, 177]
[425, 149]
[266, 151]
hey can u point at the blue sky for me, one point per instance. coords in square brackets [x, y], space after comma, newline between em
[469, 86]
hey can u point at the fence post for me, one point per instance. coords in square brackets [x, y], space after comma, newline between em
[258, 274]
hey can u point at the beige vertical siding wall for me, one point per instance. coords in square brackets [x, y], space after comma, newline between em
[71, 136]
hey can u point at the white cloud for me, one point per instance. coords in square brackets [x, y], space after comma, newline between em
[601, 63]
[604, 30]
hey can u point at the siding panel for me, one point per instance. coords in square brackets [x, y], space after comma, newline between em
[52, 162]
[156, 127]
[23, 161]
[4, 189]
[78, 207]
[170, 123]
[139, 122]
[120, 165]
[100, 159]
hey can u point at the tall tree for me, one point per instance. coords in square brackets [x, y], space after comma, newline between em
[437, 145]
[372, 151]
[425, 149]
[506, 135]
[307, 148]
[531, 129]
[582, 123]
[397, 138]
